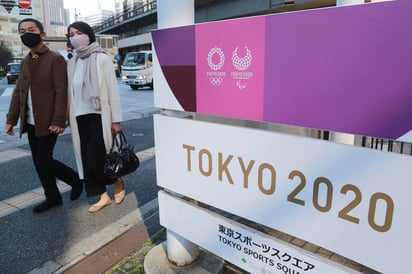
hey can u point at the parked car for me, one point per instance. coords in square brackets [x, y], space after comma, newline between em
[13, 71]
[137, 69]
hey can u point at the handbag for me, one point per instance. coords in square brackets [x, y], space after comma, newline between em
[121, 160]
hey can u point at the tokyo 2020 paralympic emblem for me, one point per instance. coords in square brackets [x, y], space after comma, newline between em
[241, 63]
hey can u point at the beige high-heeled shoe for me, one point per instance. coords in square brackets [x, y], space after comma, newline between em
[103, 202]
[119, 191]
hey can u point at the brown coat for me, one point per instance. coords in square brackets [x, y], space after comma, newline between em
[47, 77]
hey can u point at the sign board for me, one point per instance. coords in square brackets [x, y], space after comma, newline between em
[247, 248]
[24, 4]
[28, 11]
[350, 200]
[328, 69]
[8, 4]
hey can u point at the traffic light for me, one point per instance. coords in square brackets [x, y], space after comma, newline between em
[69, 50]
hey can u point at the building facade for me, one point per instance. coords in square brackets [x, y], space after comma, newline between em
[50, 12]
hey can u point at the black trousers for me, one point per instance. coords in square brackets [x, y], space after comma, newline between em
[48, 169]
[93, 151]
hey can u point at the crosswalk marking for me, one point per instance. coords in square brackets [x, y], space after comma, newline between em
[13, 204]
[7, 92]
[13, 154]
[29, 198]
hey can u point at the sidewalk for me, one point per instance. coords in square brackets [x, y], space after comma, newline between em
[126, 253]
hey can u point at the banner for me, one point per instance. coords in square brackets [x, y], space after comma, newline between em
[350, 200]
[344, 69]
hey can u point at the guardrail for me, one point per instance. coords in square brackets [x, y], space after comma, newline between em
[127, 15]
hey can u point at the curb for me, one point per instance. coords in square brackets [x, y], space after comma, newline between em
[109, 253]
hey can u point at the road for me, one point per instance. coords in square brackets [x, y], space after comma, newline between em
[49, 241]
[133, 103]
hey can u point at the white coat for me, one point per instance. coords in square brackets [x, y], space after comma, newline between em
[110, 106]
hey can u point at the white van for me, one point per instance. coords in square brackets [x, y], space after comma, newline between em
[13, 71]
[137, 69]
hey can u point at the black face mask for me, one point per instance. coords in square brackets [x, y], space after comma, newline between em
[31, 39]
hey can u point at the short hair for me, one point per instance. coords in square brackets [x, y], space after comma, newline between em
[83, 27]
[35, 21]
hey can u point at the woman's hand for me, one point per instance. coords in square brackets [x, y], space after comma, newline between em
[116, 128]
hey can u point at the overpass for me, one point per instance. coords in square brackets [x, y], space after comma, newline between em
[133, 26]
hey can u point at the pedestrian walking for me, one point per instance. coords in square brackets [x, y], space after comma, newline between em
[95, 112]
[39, 102]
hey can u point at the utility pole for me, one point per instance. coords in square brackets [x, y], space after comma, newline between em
[76, 15]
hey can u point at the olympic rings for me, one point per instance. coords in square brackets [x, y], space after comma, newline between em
[216, 81]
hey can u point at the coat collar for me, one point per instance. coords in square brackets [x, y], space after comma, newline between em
[38, 53]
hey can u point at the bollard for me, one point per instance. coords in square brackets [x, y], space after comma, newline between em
[180, 251]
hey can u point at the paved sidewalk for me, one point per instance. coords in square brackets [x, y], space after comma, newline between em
[126, 253]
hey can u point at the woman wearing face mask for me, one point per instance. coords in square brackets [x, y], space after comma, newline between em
[94, 111]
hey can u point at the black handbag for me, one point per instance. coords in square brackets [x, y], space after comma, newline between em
[121, 159]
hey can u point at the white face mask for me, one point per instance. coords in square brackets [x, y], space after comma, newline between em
[79, 40]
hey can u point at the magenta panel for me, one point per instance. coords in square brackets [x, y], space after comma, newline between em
[229, 68]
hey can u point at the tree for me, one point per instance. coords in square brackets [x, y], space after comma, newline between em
[5, 57]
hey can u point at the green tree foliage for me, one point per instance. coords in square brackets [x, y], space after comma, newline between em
[5, 57]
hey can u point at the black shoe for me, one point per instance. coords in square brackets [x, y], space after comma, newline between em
[46, 205]
[76, 190]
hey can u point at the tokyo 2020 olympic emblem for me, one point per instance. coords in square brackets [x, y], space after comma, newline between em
[221, 55]
[241, 63]
[216, 64]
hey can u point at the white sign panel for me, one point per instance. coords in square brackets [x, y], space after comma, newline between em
[25, 11]
[353, 201]
[245, 247]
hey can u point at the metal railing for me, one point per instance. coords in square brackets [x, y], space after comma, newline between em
[386, 145]
[128, 15]
[279, 3]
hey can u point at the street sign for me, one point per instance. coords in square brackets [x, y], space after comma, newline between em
[8, 4]
[24, 4]
[25, 11]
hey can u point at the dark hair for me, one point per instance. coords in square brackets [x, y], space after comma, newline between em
[83, 27]
[35, 21]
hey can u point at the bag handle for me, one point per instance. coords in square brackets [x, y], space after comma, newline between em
[117, 141]
[123, 138]
[120, 140]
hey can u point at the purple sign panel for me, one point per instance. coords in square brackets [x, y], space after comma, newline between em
[344, 69]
